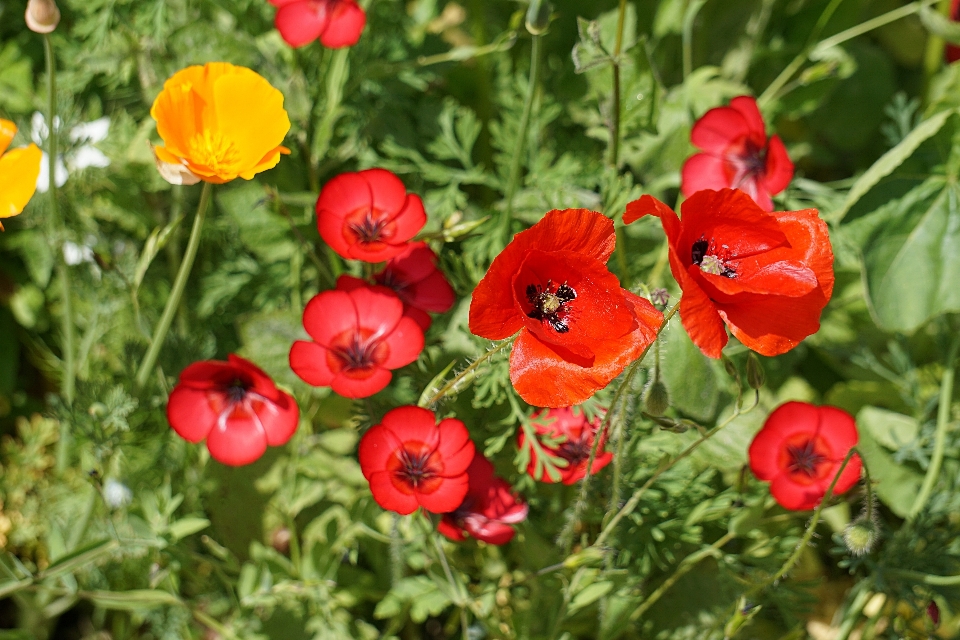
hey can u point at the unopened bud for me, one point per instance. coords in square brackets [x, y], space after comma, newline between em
[657, 398]
[755, 375]
[280, 540]
[933, 612]
[861, 536]
[730, 368]
[42, 16]
[538, 16]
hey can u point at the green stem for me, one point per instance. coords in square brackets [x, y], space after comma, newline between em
[516, 162]
[852, 614]
[688, 19]
[933, 56]
[614, 158]
[453, 385]
[943, 423]
[68, 379]
[338, 72]
[173, 302]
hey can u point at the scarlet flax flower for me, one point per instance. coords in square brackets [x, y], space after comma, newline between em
[578, 328]
[799, 451]
[488, 510]
[218, 122]
[235, 406]
[768, 276]
[411, 461]
[19, 169]
[337, 23]
[737, 154]
[368, 215]
[359, 335]
[574, 435]
[415, 278]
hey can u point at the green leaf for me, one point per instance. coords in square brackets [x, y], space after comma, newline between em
[897, 485]
[911, 255]
[131, 600]
[590, 594]
[82, 556]
[892, 430]
[939, 25]
[890, 161]
[689, 375]
[155, 242]
[187, 527]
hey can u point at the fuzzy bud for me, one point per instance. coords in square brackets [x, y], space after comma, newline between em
[42, 16]
[861, 536]
[755, 375]
[657, 399]
[538, 16]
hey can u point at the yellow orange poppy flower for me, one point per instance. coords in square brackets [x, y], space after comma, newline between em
[19, 169]
[217, 122]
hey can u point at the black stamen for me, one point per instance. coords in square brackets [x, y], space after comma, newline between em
[699, 250]
[549, 305]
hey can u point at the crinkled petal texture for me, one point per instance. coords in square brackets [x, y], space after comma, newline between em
[737, 154]
[411, 461]
[800, 450]
[220, 121]
[360, 333]
[337, 23]
[488, 510]
[19, 169]
[578, 327]
[234, 406]
[766, 276]
[368, 215]
[575, 436]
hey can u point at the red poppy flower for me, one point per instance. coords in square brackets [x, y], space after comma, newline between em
[488, 510]
[360, 334]
[414, 276]
[737, 154]
[767, 275]
[578, 328]
[411, 461]
[576, 435]
[799, 451]
[338, 23]
[368, 215]
[235, 406]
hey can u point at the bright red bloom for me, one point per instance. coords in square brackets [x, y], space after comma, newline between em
[767, 275]
[576, 435]
[488, 510]
[415, 278]
[368, 215]
[338, 23]
[411, 461]
[737, 154]
[360, 334]
[799, 451]
[235, 406]
[578, 328]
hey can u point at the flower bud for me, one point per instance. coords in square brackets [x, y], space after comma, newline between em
[538, 16]
[755, 375]
[42, 16]
[933, 612]
[861, 536]
[657, 399]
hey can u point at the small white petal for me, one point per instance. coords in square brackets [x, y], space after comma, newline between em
[95, 131]
[43, 179]
[178, 174]
[87, 156]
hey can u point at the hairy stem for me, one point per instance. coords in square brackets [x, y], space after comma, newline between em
[614, 155]
[513, 181]
[173, 302]
[453, 385]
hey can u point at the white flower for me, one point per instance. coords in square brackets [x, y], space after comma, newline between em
[74, 254]
[116, 494]
[81, 156]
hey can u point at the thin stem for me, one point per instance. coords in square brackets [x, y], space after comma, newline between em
[688, 19]
[614, 158]
[456, 381]
[852, 614]
[173, 302]
[516, 162]
[933, 56]
[943, 423]
[68, 378]
[337, 75]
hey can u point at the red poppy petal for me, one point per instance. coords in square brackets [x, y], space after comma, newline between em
[747, 107]
[409, 221]
[700, 318]
[299, 23]
[329, 314]
[704, 171]
[455, 447]
[237, 441]
[493, 312]
[389, 497]
[345, 26]
[719, 129]
[190, 414]
[778, 171]
[731, 219]
[793, 496]
[309, 361]
[279, 419]
[412, 423]
[648, 205]
[405, 342]
[447, 497]
[756, 275]
[432, 293]
[772, 325]
[449, 528]
[809, 242]
[349, 387]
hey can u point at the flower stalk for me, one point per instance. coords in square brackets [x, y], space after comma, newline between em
[173, 301]
[513, 181]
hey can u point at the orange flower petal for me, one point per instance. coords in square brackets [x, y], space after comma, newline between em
[19, 169]
[7, 131]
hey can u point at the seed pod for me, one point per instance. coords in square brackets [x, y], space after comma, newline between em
[755, 375]
[538, 16]
[657, 399]
[861, 536]
[42, 16]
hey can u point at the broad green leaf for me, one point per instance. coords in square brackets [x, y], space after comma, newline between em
[688, 374]
[890, 161]
[892, 430]
[897, 485]
[132, 600]
[187, 526]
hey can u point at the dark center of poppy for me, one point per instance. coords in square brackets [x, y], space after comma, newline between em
[804, 458]
[356, 353]
[367, 228]
[236, 391]
[549, 304]
[415, 468]
[704, 257]
[575, 451]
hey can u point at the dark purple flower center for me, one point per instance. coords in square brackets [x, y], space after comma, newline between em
[804, 458]
[236, 391]
[415, 468]
[356, 353]
[575, 451]
[550, 304]
[367, 228]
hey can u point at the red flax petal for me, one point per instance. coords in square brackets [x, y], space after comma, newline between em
[190, 414]
[413, 423]
[447, 496]
[720, 129]
[779, 169]
[702, 171]
[455, 447]
[787, 420]
[376, 447]
[345, 26]
[309, 361]
[279, 419]
[238, 440]
[389, 497]
[448, 527]
[354, 387]
[387, 191]
[747, 107]
[299, 23]
[405, 343]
